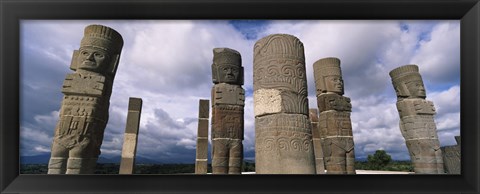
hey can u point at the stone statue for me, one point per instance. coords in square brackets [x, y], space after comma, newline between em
[84, 111]
[416, 120]
[228, 101]
[334, 120]
[283, 136]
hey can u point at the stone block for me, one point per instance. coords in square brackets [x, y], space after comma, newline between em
[203, 109]
[273, 101]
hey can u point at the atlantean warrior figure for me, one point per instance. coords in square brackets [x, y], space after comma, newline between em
[416, 120]
[334, 120]
[228, 101]
[84, 111]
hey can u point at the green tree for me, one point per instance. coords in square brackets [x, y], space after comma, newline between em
[379, 160]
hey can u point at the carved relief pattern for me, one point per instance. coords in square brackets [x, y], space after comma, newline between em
[227, 122]
[451, 158]
[228, 94]
[291, 122]
[336, 102]
[80, 84]
[279, 63]
[284, 140]
[289, 132]
[81, 119]
[333, 123]
[419, 126]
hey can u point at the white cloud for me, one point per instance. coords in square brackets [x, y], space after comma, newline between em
[439, 57]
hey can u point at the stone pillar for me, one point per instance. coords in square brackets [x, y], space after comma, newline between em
[283, 136]
[452, 157]
[334, 119]
[84, 111]
[201, 160]
[317, 142]
[129, 149]
[416, 120]
[228, 101]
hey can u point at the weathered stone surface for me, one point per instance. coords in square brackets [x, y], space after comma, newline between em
[283, 136]
[328, 76]
[227, 66]
[272, 101]
[279, 63]
[417, 120]
[228, 156]
[227, 94]
[334, 125]
[317, 142]
[228, 100]
[201, 166]
[227, 122]
[84, 111]
[129, 149]
[201, 159]
[283, 145]
[204, 109]
[332, 101]
[452, 158]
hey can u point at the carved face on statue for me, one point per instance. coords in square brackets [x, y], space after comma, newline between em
[93, 59]
[334, 83]
[416, 88]
[229, 73]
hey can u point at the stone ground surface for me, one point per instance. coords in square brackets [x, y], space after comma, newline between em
[364, 172]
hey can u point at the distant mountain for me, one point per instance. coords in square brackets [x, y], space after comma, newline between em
[44, 158]
[38, 159]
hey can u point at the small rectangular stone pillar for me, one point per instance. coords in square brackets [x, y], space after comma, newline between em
[317, 142]
[201, 159]
[129, 149]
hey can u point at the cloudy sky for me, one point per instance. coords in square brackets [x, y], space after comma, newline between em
[168, 65]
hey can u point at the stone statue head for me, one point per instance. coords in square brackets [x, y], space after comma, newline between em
[227, 66]
[407, 82]
[99, 50]
[328, 76]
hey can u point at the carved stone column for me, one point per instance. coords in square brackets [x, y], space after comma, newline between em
[417, 120]
[201, 160]
[334, 119]
[283, 136]
[129, 149]
[228, 101]
[84, 111]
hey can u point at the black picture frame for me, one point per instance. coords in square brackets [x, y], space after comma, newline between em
[13, 11]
